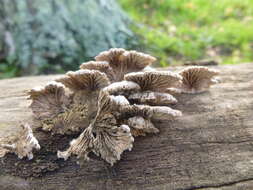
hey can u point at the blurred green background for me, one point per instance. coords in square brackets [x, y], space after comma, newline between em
[180, 30]
[50, 36]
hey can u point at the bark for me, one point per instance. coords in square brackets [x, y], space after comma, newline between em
[49, 36]
[209, 147]
[7, 45]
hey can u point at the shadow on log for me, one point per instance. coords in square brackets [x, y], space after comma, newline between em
[209, 147]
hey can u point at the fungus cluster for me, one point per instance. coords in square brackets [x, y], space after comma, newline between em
[108, 102]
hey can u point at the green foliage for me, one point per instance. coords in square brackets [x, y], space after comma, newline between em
[195, 29]
[55, 36]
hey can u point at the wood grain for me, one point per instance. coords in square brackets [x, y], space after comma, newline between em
[209, 147]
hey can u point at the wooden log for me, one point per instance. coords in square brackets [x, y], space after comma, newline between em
[209, 147]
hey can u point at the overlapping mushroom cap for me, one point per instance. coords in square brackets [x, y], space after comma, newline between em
[67, 114]
[154, 80]
[114, 126]
[88, 80]
[101, 66]
[153, 85]
[117, 62]
[107, 103]
[105, 136]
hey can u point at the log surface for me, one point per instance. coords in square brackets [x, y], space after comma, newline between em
[210, 147]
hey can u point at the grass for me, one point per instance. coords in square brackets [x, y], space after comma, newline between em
[182, 30]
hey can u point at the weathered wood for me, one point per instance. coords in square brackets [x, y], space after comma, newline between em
[209, 147]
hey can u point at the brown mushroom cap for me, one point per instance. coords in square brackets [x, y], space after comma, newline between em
[140, 126]
[137, 61]
[95, 65]
[108, 103]
[109, 143]
[105, 136]
[122, 88]
[100, 109]
[111, 139]
[88, 80]
[152, 98]
[48, 101]
[113, 56]
[123, 62]
[154, 80]
[197, 79]
[101, 66]
[164, 113]
[152, 112]
[80, 146]
[22, 145]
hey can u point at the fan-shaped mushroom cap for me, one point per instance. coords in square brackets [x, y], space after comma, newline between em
[119, 101]
[164, 113]
[57, 115]
[101, 66]
[152, 112]
[140, 126]
[113, 56]
[111, 139]
[154, 80]
[197, 79]
[80, 146]
[104, 136]
[48, 101]
[122, 88]
[88, 80]
[22, 145]
[152, 98]
[137, 61]
[122, 61]
[109, 103]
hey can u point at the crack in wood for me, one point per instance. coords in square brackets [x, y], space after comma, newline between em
[218, 186]
[226, 142]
